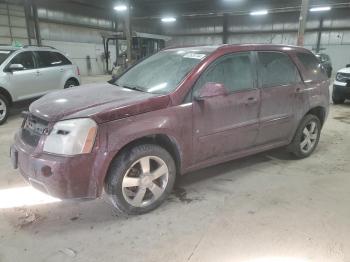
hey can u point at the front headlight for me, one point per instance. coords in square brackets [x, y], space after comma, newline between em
[71, 137]
[340, 77]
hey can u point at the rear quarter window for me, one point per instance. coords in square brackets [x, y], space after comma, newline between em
[313, 69]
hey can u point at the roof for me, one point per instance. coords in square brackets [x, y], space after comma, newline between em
[26, 47]
[240, 47]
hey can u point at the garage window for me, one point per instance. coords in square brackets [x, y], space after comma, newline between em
[276, 69]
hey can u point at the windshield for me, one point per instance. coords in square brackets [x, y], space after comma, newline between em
[4, 54]
[162, 72]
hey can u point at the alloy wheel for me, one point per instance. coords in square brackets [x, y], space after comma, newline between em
[309, 137]
[145, 181]
[3, 109]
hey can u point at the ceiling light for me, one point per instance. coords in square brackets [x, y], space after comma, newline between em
[168, 19]
[120, 8]
[260, 12]
[320, 9]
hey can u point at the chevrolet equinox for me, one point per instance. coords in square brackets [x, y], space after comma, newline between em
[177, 111]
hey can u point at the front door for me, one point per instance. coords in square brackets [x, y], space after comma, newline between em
[24, 83]
[280, 82]
[223, 125]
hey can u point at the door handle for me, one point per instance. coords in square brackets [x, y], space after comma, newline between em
[251, 100]
[37, 72]
[298, 90]
[61, 70]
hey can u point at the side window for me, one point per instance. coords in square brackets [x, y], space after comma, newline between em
[50, 59]
[234, 71]
[314, 69]
[276, 69]
[61, 59]
[25, 58]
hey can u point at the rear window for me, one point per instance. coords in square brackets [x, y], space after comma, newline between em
[314, 69]
[50, 59]
[276, 69]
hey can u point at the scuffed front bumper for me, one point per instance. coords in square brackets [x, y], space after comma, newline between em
[60, 176]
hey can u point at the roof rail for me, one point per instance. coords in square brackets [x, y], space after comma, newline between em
[47, 46]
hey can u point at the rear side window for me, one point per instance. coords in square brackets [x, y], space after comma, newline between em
[50, 59]
[25, 58]
[276, 69]
[234, 71]
[314, 69]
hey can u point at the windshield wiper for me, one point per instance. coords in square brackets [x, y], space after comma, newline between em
[136, 88]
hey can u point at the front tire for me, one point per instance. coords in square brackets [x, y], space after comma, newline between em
[140, 179]
[306, 137]
[4, 109]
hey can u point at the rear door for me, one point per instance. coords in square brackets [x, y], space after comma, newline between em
[280, 83]
[50, 68]
[24, 83]
[224, 125]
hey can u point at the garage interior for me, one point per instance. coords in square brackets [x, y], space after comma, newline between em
[266, 207]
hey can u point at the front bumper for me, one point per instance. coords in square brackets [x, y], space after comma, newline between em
[341, 90]
[62, 177]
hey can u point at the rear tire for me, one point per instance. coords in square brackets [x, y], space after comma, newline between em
[70, 83]
[140, 179]
[4, 109]
[306, 137]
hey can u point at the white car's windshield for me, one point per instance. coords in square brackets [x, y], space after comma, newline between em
[4, 54]
[162, 72]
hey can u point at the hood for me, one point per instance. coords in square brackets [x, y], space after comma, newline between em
[102, 102]
[345, 70]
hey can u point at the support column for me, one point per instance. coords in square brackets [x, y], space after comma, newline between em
[319, 35]
[27, 12]
[302, 21]
[36, 23]
[225, 29]
[128, 33]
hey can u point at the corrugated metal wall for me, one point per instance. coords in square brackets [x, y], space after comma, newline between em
[12, 24]
[274, 28]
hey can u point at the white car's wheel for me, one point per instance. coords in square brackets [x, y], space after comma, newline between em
[4, 109]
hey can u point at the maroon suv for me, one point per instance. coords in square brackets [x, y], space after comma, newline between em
[177, 111]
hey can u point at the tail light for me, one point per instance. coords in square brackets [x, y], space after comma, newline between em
[78, 71]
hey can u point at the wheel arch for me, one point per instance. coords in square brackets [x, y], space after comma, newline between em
[318, 111]
[73, 79]
[163, 140]
[7, 94]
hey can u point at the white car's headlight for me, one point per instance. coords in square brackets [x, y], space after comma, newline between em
[71, 137]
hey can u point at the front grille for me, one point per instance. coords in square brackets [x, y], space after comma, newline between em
[33, 128]
[345, 77]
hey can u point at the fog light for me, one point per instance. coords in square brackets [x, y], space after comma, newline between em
[46, 171]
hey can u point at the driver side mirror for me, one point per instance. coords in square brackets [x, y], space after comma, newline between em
[211, 90]
[15, 67]
[348, 65]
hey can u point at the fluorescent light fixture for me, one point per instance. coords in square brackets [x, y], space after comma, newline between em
[168, 19]
[260, 12]
[320, 9]
[120, 8]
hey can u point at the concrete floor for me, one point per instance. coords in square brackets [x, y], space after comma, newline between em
[267, 207]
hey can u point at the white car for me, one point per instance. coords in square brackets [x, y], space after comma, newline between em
[29, 72]
[341, 86]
